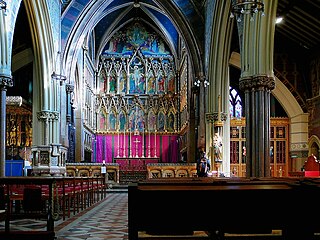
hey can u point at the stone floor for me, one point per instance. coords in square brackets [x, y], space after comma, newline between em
[107, 219]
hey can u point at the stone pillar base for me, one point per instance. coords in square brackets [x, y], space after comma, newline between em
[49, 160]
[45, 171]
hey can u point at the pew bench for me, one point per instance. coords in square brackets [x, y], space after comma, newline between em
[175, 208]
[45, 198]
[28, 192]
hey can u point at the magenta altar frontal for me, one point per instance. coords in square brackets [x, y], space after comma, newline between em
[142, 147]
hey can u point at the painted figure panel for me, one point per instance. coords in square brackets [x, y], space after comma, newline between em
[161, 121]
[112, 122]
[137, 79]
[113, 81]
[152, 119]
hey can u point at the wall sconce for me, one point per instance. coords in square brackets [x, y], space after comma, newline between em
[58, 77]
[241, 8]
[3, 5]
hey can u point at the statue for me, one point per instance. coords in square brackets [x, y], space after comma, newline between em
[217, 146]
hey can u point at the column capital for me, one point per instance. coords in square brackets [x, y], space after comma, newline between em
[48, 115]
[258, 82]
[69, 88]
[213, 117]
[6, 81]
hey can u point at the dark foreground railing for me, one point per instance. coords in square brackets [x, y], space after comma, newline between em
[47, 198]
[183, 206]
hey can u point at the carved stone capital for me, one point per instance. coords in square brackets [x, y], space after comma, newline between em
[6, 81]
[69, 88]
[260, 82]
[213, 117]
[48, 115]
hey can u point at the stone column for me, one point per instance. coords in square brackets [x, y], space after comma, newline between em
[218, 75]
[5, 82]
[257, 111]
[256, 35]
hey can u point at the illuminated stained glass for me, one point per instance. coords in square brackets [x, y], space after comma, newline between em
[235, 103]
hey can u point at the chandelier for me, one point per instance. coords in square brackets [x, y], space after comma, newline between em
[240, 8]
[3, 5]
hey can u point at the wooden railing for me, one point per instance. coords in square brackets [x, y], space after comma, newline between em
[171, 170]
[46, 198]
[94, 170]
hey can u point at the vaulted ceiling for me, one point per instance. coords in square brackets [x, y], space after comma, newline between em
[110, 16]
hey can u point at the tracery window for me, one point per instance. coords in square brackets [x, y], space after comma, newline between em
[235, 103]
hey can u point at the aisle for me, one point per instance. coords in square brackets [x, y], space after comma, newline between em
[107, 220]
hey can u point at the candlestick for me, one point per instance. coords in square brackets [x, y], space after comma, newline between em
[143, 142]
[155, 143]
[149, 145]
[129, 142]
[219, 108]
[124, 142]
[118, 143]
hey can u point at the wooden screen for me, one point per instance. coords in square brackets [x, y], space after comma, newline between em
[279, 147]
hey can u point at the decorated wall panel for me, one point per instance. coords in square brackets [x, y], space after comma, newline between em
[137, 88]
[18, 128]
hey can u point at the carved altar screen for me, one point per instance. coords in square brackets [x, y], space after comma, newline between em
[137, 94]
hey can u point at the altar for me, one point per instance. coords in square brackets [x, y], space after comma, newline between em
[134, 168]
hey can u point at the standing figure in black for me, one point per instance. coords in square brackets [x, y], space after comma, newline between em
[203, 165]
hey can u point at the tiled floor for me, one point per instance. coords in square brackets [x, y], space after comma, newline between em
[107, 219]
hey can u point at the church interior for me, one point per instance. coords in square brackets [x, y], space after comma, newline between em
[109, 93]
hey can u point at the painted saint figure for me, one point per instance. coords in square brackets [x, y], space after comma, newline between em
[217, 145]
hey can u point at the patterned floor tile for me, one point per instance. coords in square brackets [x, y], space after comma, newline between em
[107, 219]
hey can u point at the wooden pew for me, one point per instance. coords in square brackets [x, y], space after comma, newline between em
[45, 198]
[25, 186]
[181, 207]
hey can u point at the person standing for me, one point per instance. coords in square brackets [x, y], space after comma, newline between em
[203, 165]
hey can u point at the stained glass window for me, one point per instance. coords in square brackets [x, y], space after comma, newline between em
[235, 103]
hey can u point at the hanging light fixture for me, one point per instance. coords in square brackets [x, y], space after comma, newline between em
[198, 81]
[3, 5]
[240, 8]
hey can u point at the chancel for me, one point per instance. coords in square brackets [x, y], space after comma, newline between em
[97, 96]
